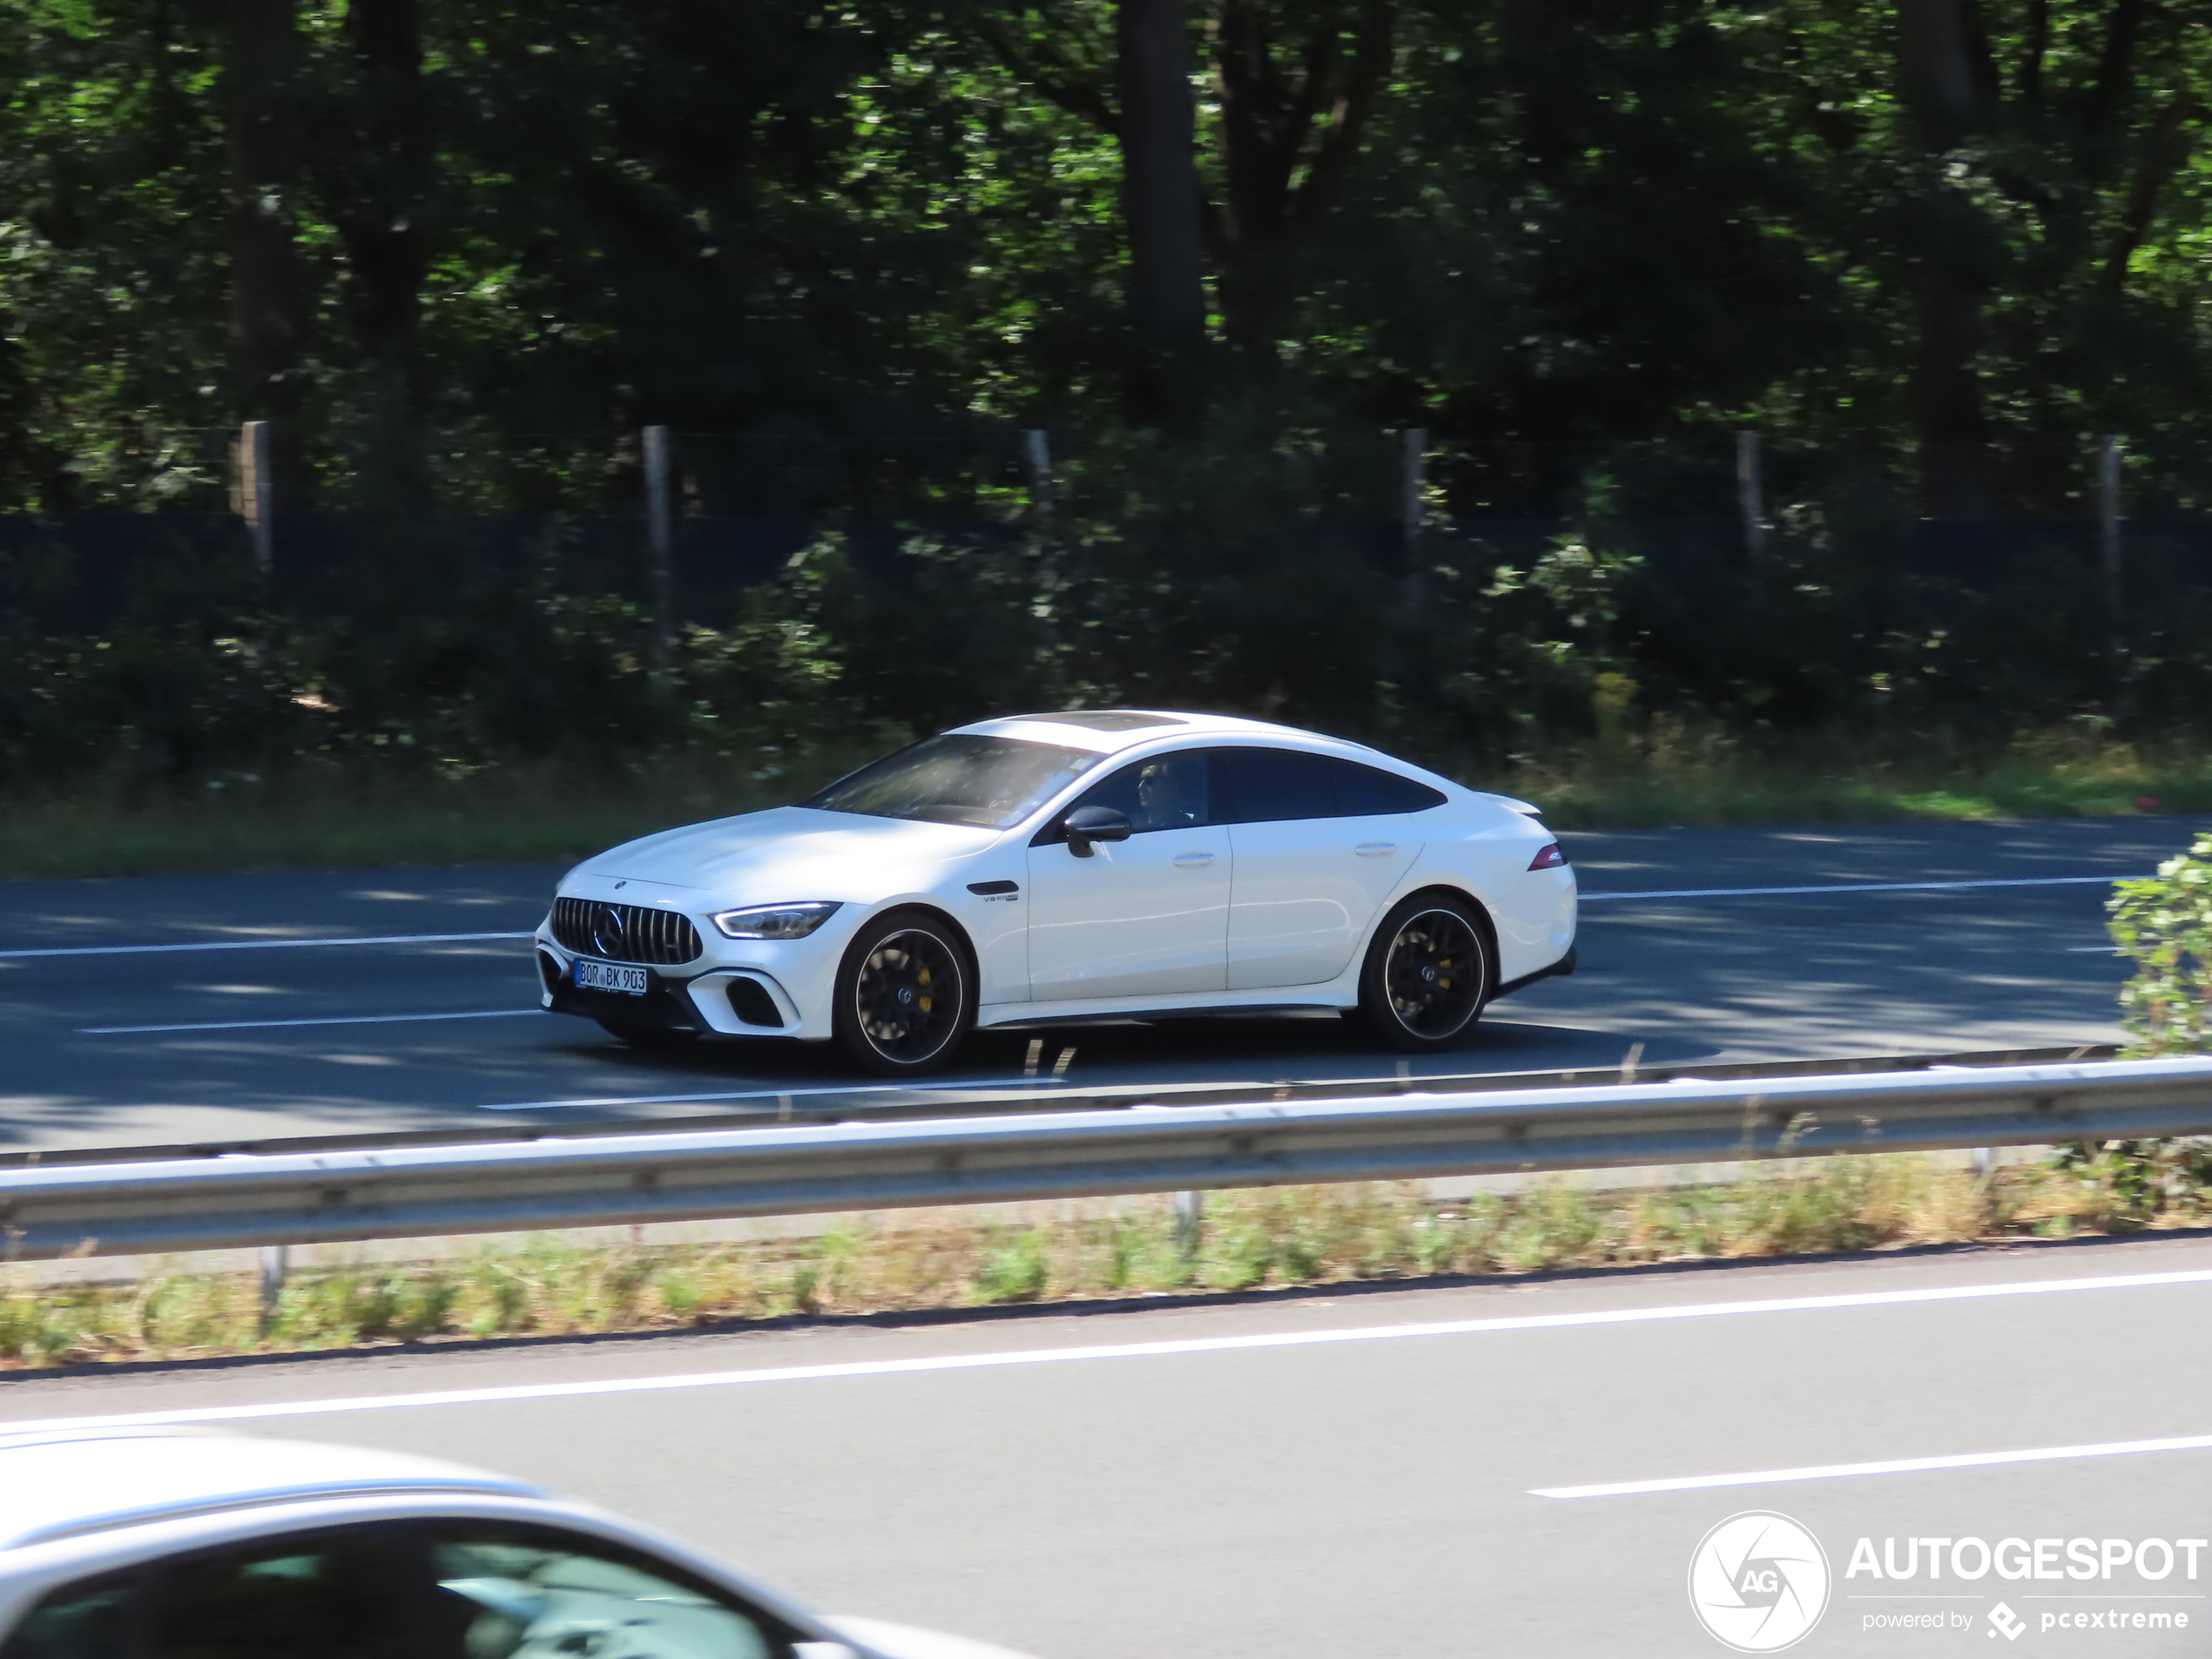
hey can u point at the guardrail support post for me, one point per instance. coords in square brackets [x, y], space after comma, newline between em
[276, 1266]
[1189, 1221]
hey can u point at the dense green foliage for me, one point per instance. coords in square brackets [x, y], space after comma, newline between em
[459, 253]
[2163, 925]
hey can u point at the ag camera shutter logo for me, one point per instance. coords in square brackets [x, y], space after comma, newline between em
[1758, 1582]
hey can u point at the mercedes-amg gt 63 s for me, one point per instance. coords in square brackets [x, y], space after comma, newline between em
[1103, 863]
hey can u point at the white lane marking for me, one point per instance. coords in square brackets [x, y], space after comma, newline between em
[1123, 1351]
[1035, 1088]
[756, 1094]
[255, 944]
[1888, 1466]
[274, 1025]
[1867, 886]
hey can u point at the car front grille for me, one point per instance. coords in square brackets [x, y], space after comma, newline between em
[626, 933]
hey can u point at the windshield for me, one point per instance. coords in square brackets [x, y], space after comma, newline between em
[988, 783]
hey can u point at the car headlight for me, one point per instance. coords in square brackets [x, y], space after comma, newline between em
[775, 921]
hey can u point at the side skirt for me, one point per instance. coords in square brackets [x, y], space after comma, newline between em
[1107, 1015]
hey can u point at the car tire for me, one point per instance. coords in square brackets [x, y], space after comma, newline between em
[1429, 970]
[906, 996]
[649, 1036]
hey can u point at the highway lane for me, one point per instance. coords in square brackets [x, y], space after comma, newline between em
[112, 1046]
[1362, 1473]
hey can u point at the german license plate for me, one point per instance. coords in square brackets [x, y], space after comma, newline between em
[609, 976]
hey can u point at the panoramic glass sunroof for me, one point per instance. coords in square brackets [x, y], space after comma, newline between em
[1104, 719]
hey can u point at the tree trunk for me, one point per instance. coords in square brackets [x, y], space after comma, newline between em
[1291, 116]
[382, 224]
[1948, 84]
[261, 63]
[1161, 208]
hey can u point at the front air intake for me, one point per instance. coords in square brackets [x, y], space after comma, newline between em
[626, 933]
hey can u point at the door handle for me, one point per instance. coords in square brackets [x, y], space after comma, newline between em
[1193, 860]
[1375, 849]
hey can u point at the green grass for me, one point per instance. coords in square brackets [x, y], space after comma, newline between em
[1273, 1237]
[339, 817]
[1672, 775]
[329, 816]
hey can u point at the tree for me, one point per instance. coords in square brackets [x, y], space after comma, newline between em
[261, 70]
[1160, 195]
[378, 188]
[1950, 84]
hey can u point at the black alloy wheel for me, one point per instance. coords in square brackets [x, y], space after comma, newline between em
[1427, 974]
[903, 1001]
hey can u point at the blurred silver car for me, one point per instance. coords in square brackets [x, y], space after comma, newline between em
[187, 1544]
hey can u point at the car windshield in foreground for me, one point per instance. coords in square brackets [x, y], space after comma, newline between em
[988, 783]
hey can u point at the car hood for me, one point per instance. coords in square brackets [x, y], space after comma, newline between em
[786, 852]
[904, 1641]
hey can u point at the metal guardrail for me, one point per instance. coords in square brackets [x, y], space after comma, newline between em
[675, 1175]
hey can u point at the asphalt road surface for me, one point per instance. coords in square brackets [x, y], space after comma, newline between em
[425, 1017]
[1389, 1473]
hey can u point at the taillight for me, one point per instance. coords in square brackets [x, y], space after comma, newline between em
[1550, 859]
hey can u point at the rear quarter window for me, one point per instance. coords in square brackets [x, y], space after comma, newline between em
[1369, 792]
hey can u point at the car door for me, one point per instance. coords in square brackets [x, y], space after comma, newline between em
[1145, 917]
[1319, 843]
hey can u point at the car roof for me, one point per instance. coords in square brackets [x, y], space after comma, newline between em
[64, 1484]
[1110, 731]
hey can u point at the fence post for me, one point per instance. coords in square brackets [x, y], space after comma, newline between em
[255, 498]
[1036, 455]
[1750, 492]
[2109, 535]
[1412, 483]
[659, 551]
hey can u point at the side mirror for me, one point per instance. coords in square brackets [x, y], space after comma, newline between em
[1089, 824]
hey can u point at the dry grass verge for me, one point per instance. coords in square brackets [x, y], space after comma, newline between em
[1286, 1236]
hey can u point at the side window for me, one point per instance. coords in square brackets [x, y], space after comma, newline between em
[451, 1590]
[1162, 792]
[82, 1621]
[349, 1593]
[1369, 792]
[520, 1593]
[1268, 785]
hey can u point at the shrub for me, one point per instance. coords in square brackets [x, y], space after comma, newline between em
[2163, 924]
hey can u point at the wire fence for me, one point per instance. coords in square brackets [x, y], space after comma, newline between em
[682, 520]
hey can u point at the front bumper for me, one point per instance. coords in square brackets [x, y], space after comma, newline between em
[704, 997]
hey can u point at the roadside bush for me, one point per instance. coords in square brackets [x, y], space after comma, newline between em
[2163, 925]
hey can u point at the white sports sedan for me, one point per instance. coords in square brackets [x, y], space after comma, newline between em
[1102, 863]
[135, 1543]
